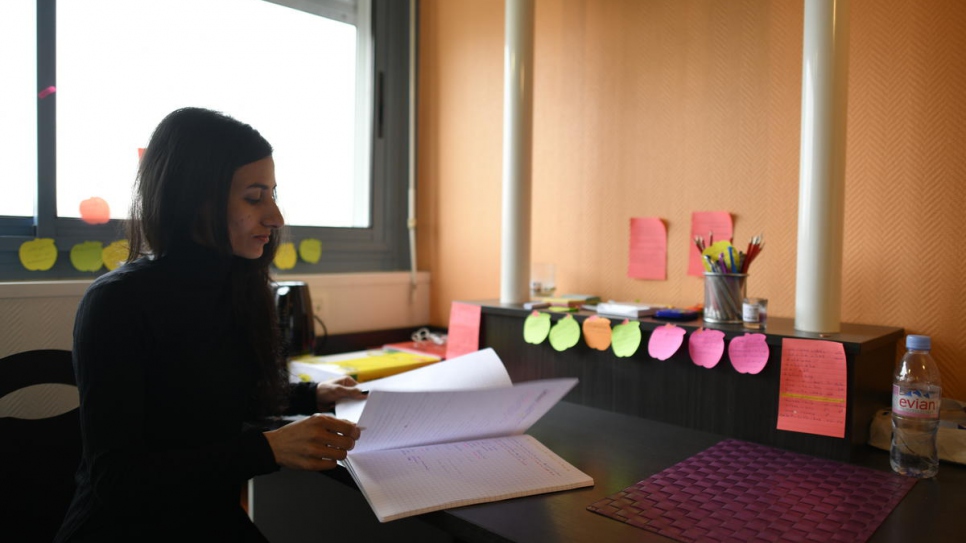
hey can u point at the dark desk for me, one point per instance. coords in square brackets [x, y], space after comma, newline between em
[617, 451]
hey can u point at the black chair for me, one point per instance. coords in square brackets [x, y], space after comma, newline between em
[40, 443]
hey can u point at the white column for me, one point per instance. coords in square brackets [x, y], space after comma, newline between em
[517, 146]
[821, 198]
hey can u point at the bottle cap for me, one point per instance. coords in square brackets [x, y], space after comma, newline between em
[918, 343]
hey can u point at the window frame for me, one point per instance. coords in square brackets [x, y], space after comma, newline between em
[383, 246]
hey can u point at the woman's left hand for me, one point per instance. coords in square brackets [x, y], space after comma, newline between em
[328, 392]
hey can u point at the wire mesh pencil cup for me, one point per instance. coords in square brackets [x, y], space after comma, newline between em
[723, 295]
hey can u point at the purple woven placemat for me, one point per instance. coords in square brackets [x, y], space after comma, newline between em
[740, 491]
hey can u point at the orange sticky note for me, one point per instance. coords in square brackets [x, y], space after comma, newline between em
[597, 332]
[705, 223]
[463, 336]
[812, 393]
[648, 250]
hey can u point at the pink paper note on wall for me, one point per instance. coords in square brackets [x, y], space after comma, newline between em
[648, 251]
[463, 336]
[704, 223]
[812, 393]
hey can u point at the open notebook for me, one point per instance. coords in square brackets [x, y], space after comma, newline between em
[453, 434]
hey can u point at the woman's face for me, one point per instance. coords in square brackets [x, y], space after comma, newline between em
[252, 212]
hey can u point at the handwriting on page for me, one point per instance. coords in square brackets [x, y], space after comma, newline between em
[648, 249]
[812, 393]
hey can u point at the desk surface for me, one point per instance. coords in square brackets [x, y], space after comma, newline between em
[619, 450]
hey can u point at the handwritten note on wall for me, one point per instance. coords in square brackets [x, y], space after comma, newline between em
[648, 249]
[813, 387]
[463, 335]
[706, 224]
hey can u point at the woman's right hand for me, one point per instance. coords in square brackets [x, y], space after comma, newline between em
[314, 443]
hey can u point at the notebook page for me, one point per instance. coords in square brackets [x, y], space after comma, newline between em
[406, 419]
[482, 369]
[404, 482]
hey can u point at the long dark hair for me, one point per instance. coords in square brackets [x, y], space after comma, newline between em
[181, 197]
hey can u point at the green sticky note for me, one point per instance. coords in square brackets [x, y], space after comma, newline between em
[310, 250]
[115, 254]
[87, 256]
[536, 327]
[565, 333]
[626, 338]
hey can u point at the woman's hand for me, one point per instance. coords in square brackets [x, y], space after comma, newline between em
[314, 443]
[328, 392]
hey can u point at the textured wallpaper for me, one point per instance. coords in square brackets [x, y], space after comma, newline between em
[657, 108]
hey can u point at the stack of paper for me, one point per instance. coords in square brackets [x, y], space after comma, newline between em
[630, 310]
[452, 434]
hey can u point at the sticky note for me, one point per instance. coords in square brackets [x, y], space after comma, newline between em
[310, 250]
[38, 254]
[95, 210]
[704, 224]
[115, 254]
[536, 327]
[597, 332]
[648, 249]
[748, 353]
[665, 341]
[285, 257]
[463, 333]
[812, 391]
[706, 347]
[565, 334]
[626, 338]
[87, 256]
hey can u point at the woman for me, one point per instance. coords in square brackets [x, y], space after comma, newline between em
[178, 350]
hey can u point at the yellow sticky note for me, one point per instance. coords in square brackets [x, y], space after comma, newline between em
[310, 250]
[565, 333]
[38, 254]
[536, 327]
[115, 254]
[87, 256]
[626, 338]
[285, 257]
[717, 250]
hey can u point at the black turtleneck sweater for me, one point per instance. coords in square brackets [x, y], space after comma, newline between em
[167, 385]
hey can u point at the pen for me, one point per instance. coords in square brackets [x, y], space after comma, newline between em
[731, 255]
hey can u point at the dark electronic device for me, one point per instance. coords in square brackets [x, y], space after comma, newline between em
[293, 303]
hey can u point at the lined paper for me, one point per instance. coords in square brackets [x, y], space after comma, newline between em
[813, 387]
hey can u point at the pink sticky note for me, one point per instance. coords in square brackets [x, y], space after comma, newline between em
[706, 347]
[648, 250]
[46, 92]
[704, 223]
[812, 392]
[665, 341]
[748, 353]
[463, 336]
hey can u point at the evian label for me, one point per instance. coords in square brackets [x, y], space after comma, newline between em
[912, 402]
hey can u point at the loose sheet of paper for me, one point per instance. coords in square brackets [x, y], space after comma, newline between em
[812, 392]
[463, 334]
[648, 249]
[482, 369]
[403, 482]
[704, 223]
[407, 419]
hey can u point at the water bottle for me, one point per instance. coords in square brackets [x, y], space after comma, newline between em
[916, 397]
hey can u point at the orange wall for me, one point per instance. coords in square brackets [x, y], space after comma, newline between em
[664, 107]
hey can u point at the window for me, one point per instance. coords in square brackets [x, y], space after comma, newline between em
[326, 83]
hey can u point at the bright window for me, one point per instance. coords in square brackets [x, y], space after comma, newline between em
[18, 107]
[301, 79]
